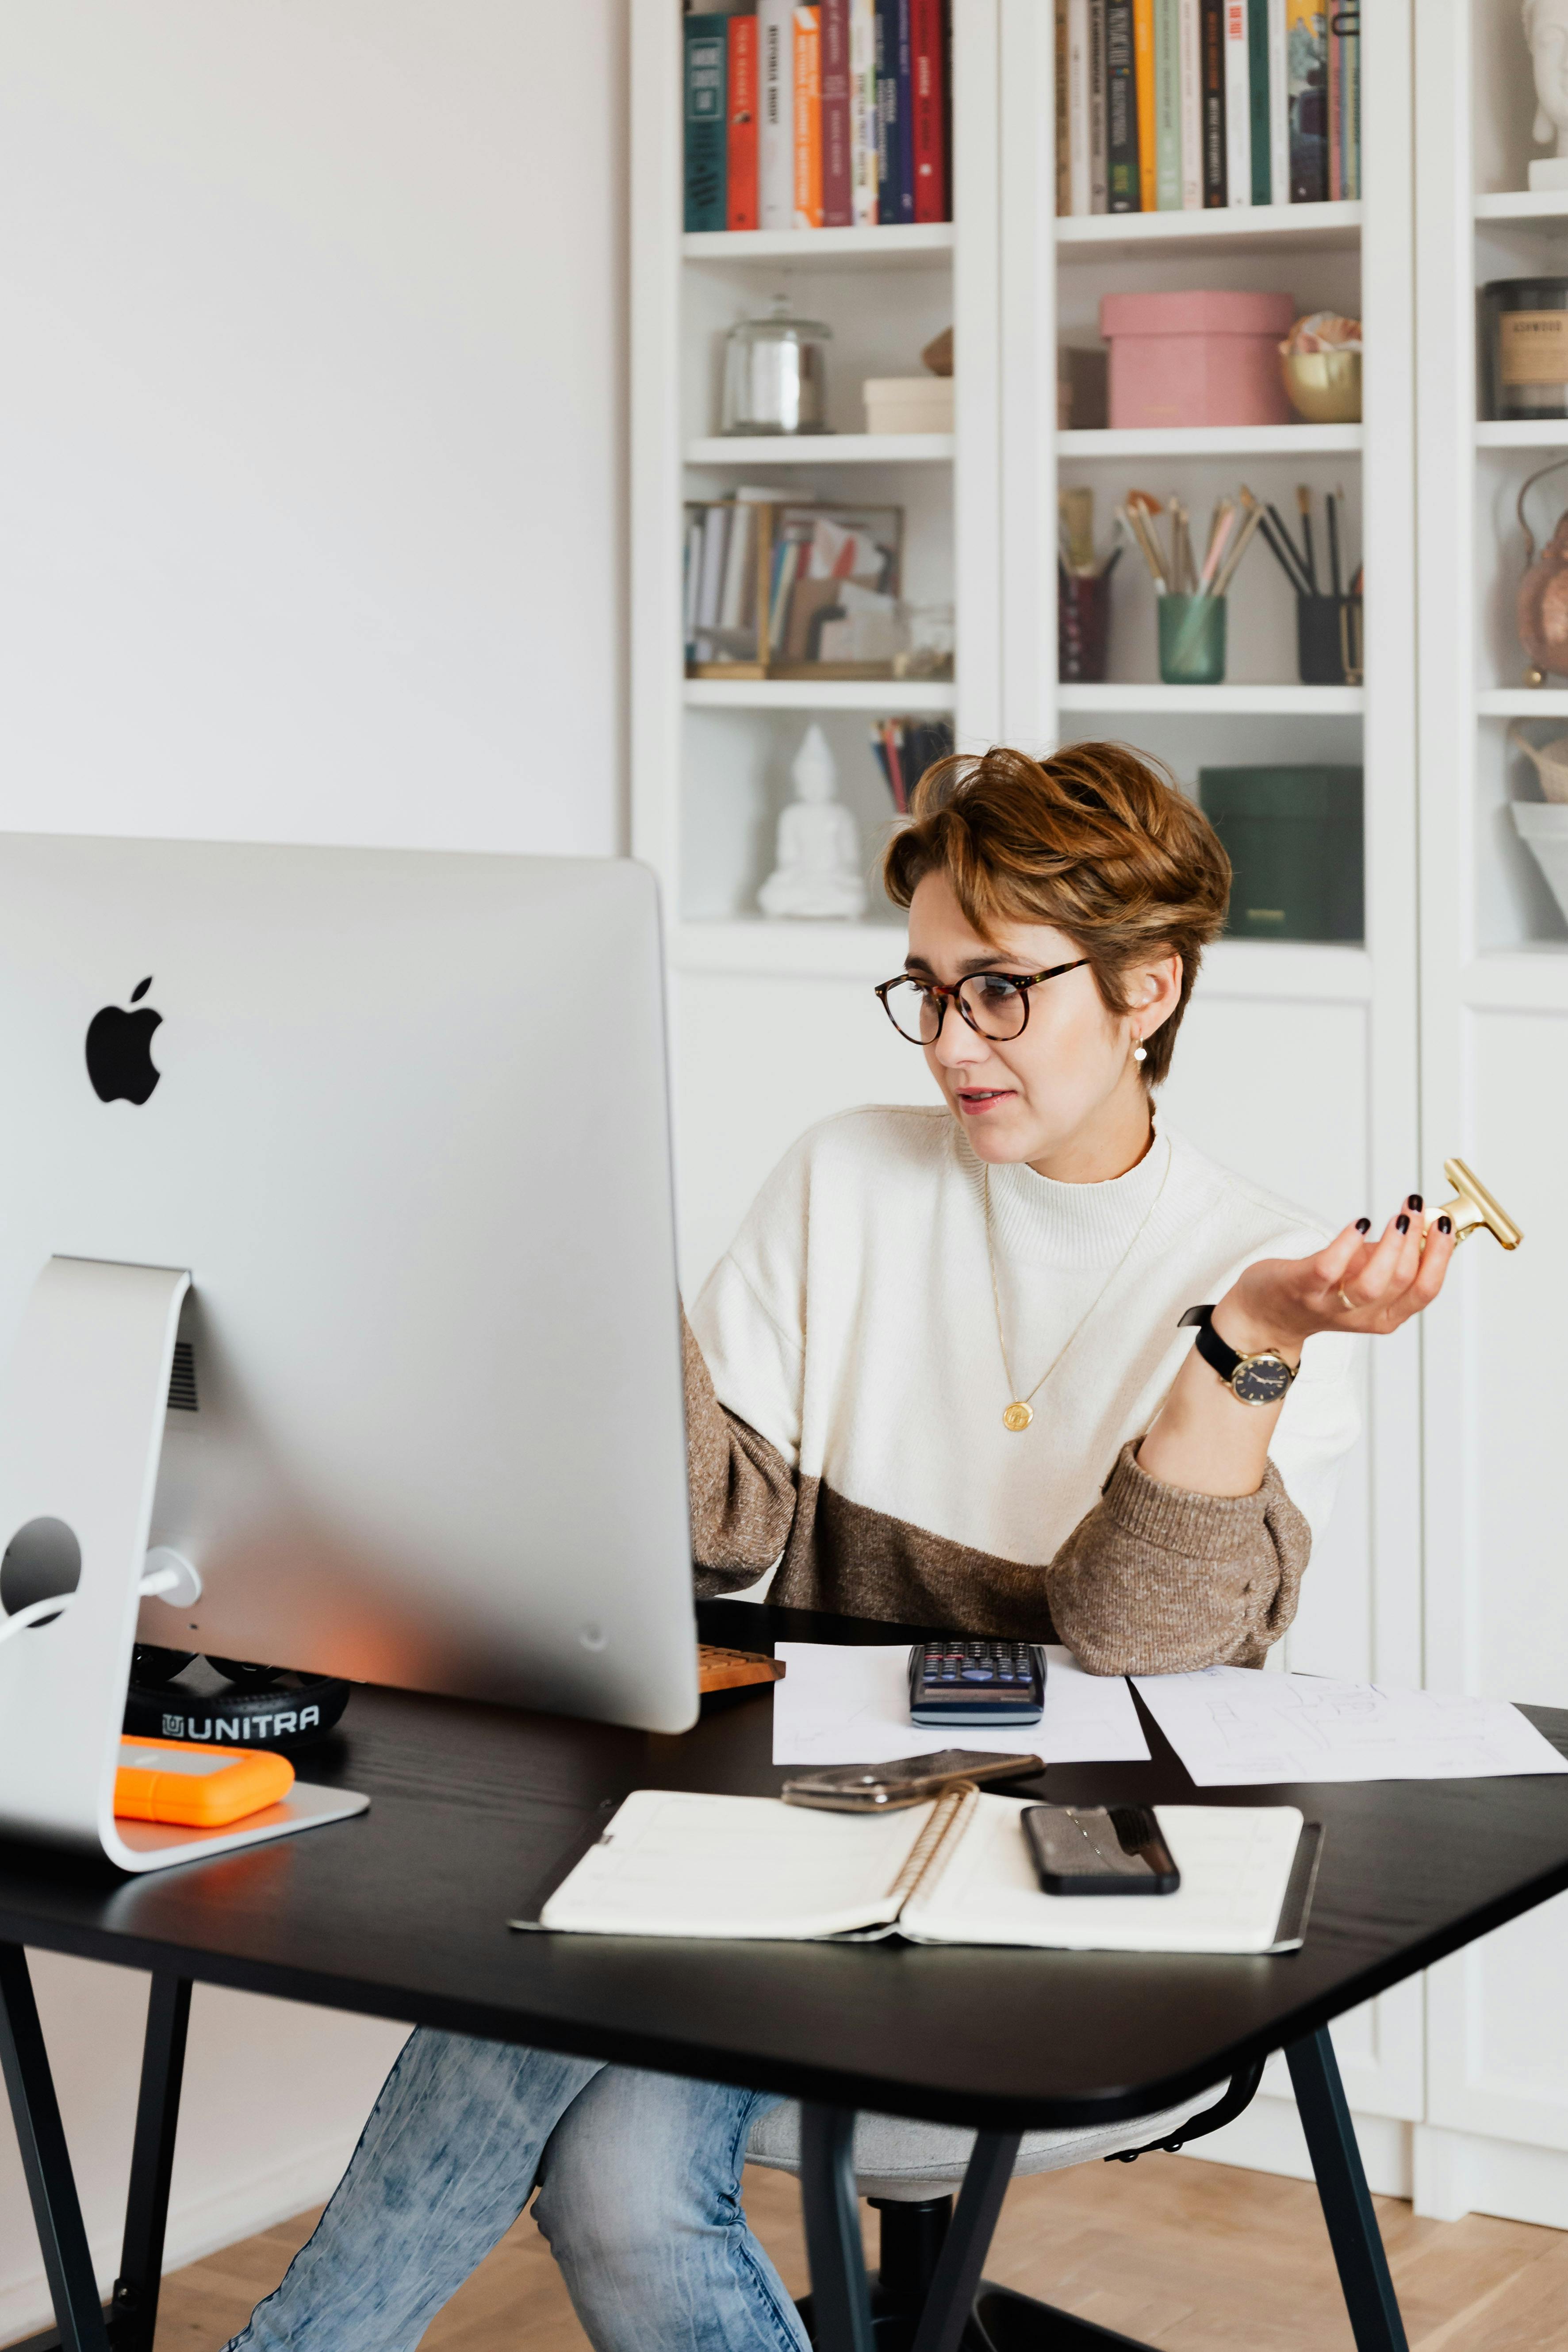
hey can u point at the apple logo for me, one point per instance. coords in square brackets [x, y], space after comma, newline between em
[120, 1050]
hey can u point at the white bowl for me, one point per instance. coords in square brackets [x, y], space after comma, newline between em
[1543, 827]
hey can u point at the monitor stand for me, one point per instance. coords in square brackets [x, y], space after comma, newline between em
[82, 1402]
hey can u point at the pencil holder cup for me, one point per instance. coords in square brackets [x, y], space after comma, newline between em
[1328, 640]
[1083, 626]
[1191, 640]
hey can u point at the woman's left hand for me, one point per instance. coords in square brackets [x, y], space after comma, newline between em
[1356, 1283]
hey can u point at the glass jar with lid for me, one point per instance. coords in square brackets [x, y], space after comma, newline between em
[776, 374]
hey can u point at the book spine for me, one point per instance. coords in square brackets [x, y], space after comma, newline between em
[927, 81]
[1063, 129]
[1237, 106]
[863, 111]
[741, 197]
[1077, 104]
[706, 121]
[1143, 74]
[1333, 111]
[904, 113]
[1120, 109]
[1168, 104]
[1190, 54]
[775, 131]
[889, 206]
[807, 69]
[1257, 80]
[1351, 20]
[837, 167]
[1099, 111]
[1212, 27]
[1306, 34]
[1279, 105]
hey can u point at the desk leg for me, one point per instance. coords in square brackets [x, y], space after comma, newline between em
[135, 2305]
[839, 2298]
[46, 2161]
[1347, 2205]
[967, 2243]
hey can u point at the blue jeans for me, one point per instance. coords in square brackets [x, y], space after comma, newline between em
[639, 2199]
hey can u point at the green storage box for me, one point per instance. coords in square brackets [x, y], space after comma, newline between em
[1293, 837]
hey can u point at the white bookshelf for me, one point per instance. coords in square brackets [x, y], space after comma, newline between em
[746, 451]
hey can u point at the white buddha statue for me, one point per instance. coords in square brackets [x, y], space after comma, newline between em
[1546, 30]
[818, 871]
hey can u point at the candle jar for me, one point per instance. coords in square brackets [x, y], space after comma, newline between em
[776, 374]
[1525, 347]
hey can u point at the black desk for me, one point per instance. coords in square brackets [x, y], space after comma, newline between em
[400, 1915]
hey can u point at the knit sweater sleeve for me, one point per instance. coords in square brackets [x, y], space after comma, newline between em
[743, 1489]
[1157, 1580]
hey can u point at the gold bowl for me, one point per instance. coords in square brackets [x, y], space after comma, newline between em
[1323, 386]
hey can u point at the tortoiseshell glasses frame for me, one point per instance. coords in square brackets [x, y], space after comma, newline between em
[1009, 1003]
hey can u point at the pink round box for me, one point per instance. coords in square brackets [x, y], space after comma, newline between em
[1196, 359]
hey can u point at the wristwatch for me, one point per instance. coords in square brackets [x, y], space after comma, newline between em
[1262, 1379]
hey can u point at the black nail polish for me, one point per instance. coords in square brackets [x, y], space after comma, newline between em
[1402, 1223]
[1414, 1201]
[1363, 1225]
[1444, 1224]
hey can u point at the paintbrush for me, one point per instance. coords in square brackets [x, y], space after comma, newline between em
[1331, 505]
[1220, 529]
[1076, 507]
[1242, 542]
[1304, 509]
[1135, 515]
[1299, 581]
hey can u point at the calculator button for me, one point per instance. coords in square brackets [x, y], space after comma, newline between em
[977, 1672]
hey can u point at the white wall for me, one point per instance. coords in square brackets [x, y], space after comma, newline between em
[311, 529]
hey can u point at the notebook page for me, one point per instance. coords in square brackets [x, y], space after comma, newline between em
[675, 1863]
[1234, 1863]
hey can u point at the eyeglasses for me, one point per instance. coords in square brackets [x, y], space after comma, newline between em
[994, 1003]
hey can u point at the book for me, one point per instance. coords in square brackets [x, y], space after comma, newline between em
[904, 112]
[863, 111]
[1212, 33]
[1120, 111]
[1238, 104]
[1063, 128]
[1257, 81]
[1190, 70]
[707, 50]
[1346, 28]
[739, 552]
[1279, 105]
[710, 581]
[1077, 105]
[890, 193]
[1307, 88]
[775, 125]
[1168, 105]
[1144, 76]
[741, 195]
[807, 117]
[837, 160]
[928, 108]
[1334, 125]
[1098, 184]
[954, 1870]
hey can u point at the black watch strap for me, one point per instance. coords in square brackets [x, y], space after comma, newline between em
[1223, 1359]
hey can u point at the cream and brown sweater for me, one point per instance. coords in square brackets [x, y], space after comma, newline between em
[845, 1391]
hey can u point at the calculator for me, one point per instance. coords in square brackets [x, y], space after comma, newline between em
[976, 1682]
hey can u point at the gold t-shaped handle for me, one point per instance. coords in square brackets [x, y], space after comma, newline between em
[1473, 1207]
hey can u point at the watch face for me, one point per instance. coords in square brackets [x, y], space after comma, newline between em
[1262, 1380]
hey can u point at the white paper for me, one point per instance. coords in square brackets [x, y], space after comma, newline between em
[838, 1704]
[1234, 1728]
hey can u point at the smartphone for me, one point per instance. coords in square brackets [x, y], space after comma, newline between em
[882, 1788]
[1099, 1850]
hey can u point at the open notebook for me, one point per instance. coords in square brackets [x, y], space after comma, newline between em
[955, 1871]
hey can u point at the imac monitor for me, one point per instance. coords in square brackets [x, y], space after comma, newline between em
[404, 1118]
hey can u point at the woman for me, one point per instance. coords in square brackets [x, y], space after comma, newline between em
[941, 1377]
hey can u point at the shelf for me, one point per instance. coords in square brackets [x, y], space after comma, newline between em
[1522, 702]
[1518, 979]
[1551, 433]
[822, 449]
[1525, 205]
[824, 248]
[865, 951]
[889, 694]
[1215, 441]
[1261, 226]
[1227, 701]
[1303, 970]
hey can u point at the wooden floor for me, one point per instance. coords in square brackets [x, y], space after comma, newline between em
[1194, 2257]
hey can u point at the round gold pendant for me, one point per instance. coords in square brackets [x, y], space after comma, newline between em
[1017, 1416]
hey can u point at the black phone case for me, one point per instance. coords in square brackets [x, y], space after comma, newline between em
[1099, 1850]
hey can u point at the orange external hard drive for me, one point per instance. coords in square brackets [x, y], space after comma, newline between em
[197, 1788]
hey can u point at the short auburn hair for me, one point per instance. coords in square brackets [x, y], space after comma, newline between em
[1095, 840]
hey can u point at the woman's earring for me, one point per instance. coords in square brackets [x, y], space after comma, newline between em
[1138, 1054]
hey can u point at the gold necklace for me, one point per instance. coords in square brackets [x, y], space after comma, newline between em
[1020, 1411]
